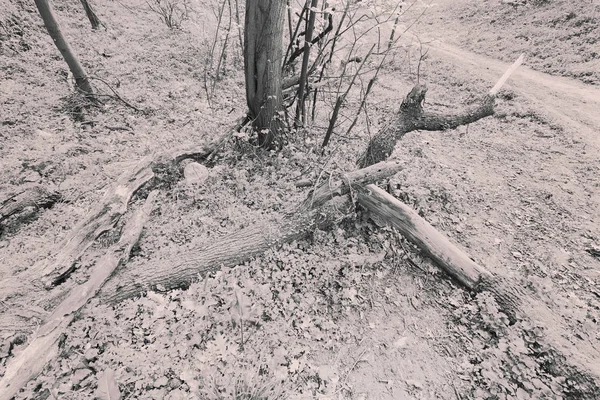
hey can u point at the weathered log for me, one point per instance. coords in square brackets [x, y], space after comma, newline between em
[44, 345]
[34, 197]
[385, 209]
[321, 208]
[102, 218]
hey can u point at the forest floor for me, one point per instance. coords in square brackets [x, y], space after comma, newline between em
[355, 312]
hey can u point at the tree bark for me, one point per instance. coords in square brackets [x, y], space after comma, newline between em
[81, 79]
[263, 54]
[326, 204]
[36, 197]
[412, 117]
[89, 11]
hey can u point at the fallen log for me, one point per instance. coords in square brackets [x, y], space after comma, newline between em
[44, 345]
[34, 197]
[325, 205]
[385, 210]
[58, 267]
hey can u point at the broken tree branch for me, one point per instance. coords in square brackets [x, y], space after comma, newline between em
[327, 204]
[412, 117]
[44, 346]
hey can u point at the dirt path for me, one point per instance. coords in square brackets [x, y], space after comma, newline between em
[565, 101]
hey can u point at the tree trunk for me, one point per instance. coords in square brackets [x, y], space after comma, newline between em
[89, 11]
[263, 54]
[81, 79]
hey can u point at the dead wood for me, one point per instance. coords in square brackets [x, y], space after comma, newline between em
[327, 204]
[36, 197]
[385, 210]
[412, 117]
[44, 345]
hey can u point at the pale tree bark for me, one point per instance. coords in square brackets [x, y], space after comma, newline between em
[263, 54]
[81, 79]
[89, 11]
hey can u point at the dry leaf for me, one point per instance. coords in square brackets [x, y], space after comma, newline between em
[108, 388]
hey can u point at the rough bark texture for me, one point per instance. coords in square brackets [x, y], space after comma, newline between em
[321, 208]
[89, 11]
[387, 210]
[101, 219]
[412, 117]
[44, 346]
[36, 197]
[263, 54]
[81, 79]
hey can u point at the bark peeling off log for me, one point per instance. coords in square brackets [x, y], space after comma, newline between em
[412, 117]
[101, 219]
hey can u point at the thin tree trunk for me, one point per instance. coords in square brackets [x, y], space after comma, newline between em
[89, 11]
[300, 110]
[81, 79]
[263, 53]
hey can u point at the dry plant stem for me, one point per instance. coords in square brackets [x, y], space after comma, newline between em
[293, 36]
[211, 57]
[81, 78]
[239, 25]
[337, 31]
[37, 197]
[340, 100]
[44, 346]
[222, 56]
[301, 111]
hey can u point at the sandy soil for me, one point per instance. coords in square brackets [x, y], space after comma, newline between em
[355, 312]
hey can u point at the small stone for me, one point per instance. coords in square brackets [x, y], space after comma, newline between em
[32, 176]
[174, 383]
[79, 375]
[195, 174]
[91, 354]
[161, 382]
[517, 255]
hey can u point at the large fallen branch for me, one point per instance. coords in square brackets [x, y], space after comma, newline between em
[412, 117]
[385, 210]
[58, 267]
[325, 205]
[44, 345]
